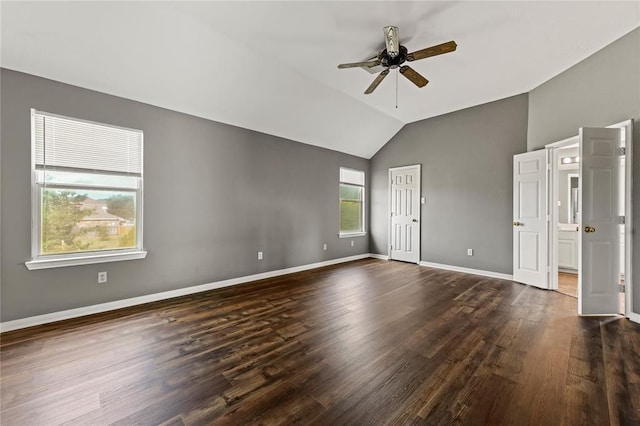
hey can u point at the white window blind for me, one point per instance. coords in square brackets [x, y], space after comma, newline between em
[67, 143]
[353, 177]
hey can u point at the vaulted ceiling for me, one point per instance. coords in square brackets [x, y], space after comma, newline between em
[271, 66]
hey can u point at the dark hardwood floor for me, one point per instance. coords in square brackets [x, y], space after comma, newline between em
[367, 342]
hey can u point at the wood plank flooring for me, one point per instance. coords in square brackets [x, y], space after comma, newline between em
[568, 284]
[367, 342]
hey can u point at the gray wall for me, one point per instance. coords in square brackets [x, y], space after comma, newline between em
[214, 196]
[601, 90]
[467, 163]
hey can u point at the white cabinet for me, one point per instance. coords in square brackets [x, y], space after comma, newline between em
[568, 249]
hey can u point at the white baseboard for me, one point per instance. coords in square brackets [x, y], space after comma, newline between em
[468, 270]
[379, 256]
[633, 317]
[125, 303]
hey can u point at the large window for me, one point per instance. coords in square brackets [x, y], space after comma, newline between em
[86, 192]
[351, 202]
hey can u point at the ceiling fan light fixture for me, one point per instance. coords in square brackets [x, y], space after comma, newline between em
[392, 40]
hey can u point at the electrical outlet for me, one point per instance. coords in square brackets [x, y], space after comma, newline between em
[352, 243]
[469, 252]
[102, 277]
[324, 247]
[259, 255]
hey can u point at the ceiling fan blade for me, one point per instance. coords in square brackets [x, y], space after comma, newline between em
[360, 64]
[447, 47]
[376, 82]
[413, 76]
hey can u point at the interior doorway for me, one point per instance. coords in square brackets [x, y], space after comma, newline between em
[566, 202]
[596, 241]
[404, 213]
[603, 216]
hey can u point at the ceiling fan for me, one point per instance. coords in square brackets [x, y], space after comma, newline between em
[395, 55]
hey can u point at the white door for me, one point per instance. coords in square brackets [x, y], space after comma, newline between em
[530, 218]
[404, 229]
[599, 262]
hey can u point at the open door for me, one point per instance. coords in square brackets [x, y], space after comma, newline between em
[530, 218]
[601, 153]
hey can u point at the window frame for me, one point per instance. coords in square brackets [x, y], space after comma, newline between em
[363, 187]
[45, 261]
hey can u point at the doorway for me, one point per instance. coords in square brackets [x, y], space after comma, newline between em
[566, 197]
[404, 213]
[589, 238]
[603, 215]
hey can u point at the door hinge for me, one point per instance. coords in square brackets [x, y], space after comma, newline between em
[622, 151]
[621, 220]
[621, 288]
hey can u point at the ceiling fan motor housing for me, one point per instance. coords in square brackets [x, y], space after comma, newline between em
[393, 62]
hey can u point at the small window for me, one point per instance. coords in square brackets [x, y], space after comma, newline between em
[86, 192]
[351, 202]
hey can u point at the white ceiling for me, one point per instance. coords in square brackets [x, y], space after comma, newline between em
[271, 66]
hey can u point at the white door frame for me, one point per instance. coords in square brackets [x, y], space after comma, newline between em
[390, 211]
[627, 127]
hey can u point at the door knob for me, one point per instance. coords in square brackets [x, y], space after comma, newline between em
[589, 229]
[414, 220]
[516, 223]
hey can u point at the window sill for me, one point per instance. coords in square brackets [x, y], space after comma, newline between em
[83, 260]
[354, 234]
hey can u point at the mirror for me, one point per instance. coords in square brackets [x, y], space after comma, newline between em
[573, 190]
